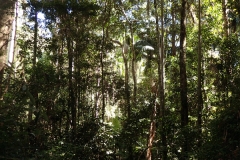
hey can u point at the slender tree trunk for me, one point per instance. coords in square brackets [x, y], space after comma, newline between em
[225, 19]
[183, 78]
[173, 31]
[158, 52]
[71, 97]
[103, 76]
[6, 20]
[35, 76]
[34, 61]
[162, 85]
[78, 83]
[226, 56]
[152, 130]
[35, 39]
[200, 97]
[133, 68]
[160, 56]
[125, 56]
[13, 42]
[126, 85]
[125, 48]
[161, 76]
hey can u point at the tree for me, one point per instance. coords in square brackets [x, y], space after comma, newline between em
[183, 77]
[200, 98]
[6, 16]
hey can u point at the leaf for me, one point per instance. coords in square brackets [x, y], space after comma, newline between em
[116, 123]
[143, 45]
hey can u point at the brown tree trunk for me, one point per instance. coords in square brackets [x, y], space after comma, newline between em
[225, 19]
[183, 77]
[126, 85]
[34, 76]
[6, 20]
[200, 97]
[161, 76]
[102, 75]
[71, 96]
[133, 68]
[125, 48]
[162, 85]
[152, 130]
[226, 56]
[173, 31]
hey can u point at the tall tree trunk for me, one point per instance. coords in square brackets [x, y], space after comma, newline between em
[125, 48]
[162, 85]
[125, 55]
[133, 67]
[126, 82]
[34, 77]
[35, 38]
[226, 56]
[71, 96]
[225, 19]
[103, 76]
[127, 89]
[183, 78]
[13, 35]
[200, 97]
[6, 20]
[161, 66]
[35, 48]
[152, 129]
[173, 31]
[199, 90]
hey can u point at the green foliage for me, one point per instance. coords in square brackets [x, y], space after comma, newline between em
[224, 140]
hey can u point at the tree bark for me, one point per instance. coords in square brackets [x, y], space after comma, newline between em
[103, 76]
[162, 85]
[126, 82]
[161, 76]
[133, 68]
[226, 56]
[152, 130]
[125, 48]
[225, 19]
[173, 31]
[34, 76]
[6, 20]
[199, 90]
[71, 96]
[183, 77]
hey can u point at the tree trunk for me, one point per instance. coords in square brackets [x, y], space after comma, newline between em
[152, 130]
[173, 31]
[199, 90]
[125, 48]
[103, 76]
[126, 85]
[133, 68]
[71, 97]
[6, 20]
[225, 19]
[162, 85]
[35, 48]
[161, 72]
[226, 56]
[183, 77]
